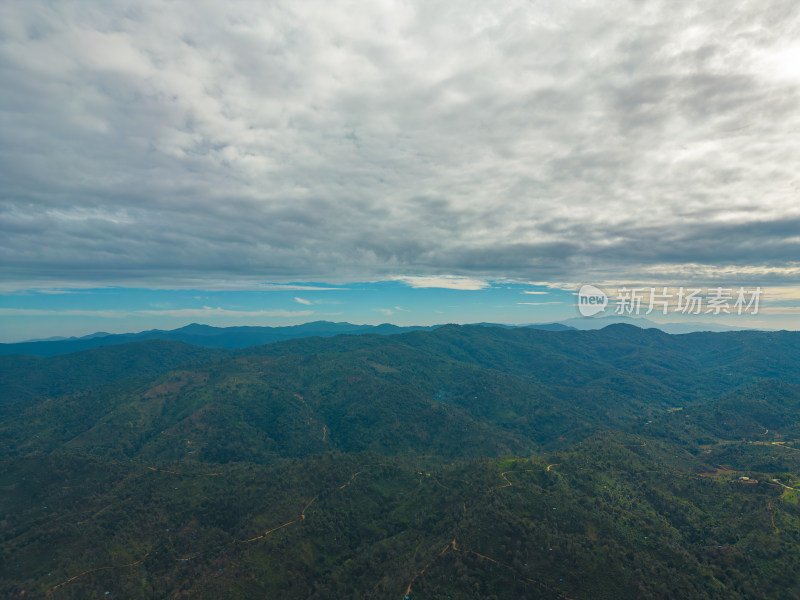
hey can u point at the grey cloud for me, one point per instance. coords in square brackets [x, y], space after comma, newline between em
[146, 141]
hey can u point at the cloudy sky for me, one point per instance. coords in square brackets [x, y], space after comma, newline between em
[198, 156]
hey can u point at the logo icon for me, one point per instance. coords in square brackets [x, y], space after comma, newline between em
[591, 300]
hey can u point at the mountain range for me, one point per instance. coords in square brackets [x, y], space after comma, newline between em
[243, 337]
[463, 461]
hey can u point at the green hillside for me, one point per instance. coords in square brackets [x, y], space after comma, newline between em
[28, 378]
[465, 462]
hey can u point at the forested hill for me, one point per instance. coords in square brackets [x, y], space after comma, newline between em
[469, 391]
[26, 378]
[465, 461]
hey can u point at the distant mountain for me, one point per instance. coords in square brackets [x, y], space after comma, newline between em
[542, 326]
[230, 338]
[552, 327]
[585, 323]
[55, 338]
[60, 338]
[233, 338]
[202, 335]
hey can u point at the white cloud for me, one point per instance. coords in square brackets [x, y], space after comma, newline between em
[538, 303]
[180, 312]
[41, 312]
[302, 301]
[278, 287]
[452, 282]
[62, 287]
[222, 312]
[779, 310]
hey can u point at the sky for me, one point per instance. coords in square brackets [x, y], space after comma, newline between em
[270, 163]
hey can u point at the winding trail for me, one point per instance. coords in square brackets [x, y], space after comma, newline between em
[771, 511]
[508, 482]
[783, 485]
[341, 487]
[451, 546]
[310, 502]
[102, 510]
[53, 589]
[454, 547]
[439, 483]
[266, 533]
[422, 570]
[783, 445]
[302, 516]
[185, 474]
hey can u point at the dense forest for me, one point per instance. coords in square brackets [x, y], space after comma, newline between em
[457, 462]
